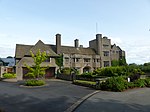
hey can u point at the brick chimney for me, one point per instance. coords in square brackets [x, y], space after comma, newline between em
[58, 43]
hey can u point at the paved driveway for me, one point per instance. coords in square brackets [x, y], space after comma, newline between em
[135, 100]
[56, 97]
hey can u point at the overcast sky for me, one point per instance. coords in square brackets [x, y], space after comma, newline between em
[125, 22]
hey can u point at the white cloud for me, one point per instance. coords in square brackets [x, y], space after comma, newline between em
[4, 52]
[137, 51]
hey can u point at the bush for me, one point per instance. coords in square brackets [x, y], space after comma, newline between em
[9, 75]
[66, 71]
[85, 83]
[114, 84]
[34, 82]
[140, 83]
[147, 81]
[130, 85]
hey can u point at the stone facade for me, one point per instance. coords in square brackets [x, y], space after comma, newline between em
[99, 54]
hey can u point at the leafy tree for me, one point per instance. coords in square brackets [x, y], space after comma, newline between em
[37, 71]
[122, 62]
[59, 61]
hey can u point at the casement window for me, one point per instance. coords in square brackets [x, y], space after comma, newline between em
[106, 63]
[105, 45]
[66, 60]
[106, 53]
[87, 60]
[48, 60]
[98, 60]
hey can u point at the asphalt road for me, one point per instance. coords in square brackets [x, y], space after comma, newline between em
[135, 100]
[56, 97]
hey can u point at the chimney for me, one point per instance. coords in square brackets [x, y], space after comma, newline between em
[98, 43]
[81, 46]
[58, 43]
[76, 43]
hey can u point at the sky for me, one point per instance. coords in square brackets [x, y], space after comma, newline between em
[125, 22]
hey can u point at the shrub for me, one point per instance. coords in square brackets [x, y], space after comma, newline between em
[147, 81]
[9, 75]
[34, 82]
[85, 82]
[114, 84]
[66, 71]
[140, 83]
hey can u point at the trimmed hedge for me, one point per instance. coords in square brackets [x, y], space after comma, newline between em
[85, 83]
[34, 82]
[9, 75]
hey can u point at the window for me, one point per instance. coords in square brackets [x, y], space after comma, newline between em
[113, 51]
[117, 51]
[77, 59]
[86, 59]
[106, 63]
[98, 60]
[106, 53]
[48, 60]
[94, 60]
[105, 45]
[67, 60]
[74, 60]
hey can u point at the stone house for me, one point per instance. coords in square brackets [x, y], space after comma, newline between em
[99, 54]
[7, 65]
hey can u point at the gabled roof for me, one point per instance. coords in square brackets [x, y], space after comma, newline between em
[114, 46]
[21, 50]
[43, 47]
[24, 50]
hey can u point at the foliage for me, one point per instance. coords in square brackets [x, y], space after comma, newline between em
[122, 61]
[114, 63]
[111, 71]
[66, 71]
[140, 83]
[37, 71]
[114, 84]
[34, 82]
[85, 83]
[59, 61]
[9, 75]
[147, 82]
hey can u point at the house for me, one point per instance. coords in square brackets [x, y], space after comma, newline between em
[99, 54]
[7, 65]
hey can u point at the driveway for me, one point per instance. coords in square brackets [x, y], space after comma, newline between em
[56, 97]
[135, 100]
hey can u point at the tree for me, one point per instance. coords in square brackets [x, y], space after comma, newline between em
[59, 61]
[37, 71]
[122, 61]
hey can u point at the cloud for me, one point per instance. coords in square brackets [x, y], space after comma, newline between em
[137, 51]
[4, 52]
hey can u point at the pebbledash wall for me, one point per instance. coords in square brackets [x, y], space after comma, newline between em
[99, 54]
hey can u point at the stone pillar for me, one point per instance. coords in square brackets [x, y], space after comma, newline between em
[19, 72]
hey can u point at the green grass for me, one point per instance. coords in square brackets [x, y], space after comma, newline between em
[85, 82]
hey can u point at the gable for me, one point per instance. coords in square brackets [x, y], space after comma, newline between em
[43, 47]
